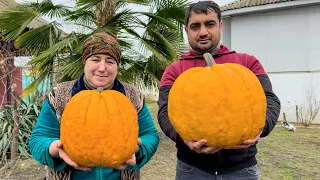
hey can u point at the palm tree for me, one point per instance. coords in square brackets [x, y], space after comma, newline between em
[57, 55]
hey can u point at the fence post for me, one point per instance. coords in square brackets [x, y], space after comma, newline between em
[15, 134]
[297, 114]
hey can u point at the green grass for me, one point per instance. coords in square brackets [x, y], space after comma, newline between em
[283, 155]
[290, 155]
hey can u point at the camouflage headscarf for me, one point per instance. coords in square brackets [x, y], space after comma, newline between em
[101, 43]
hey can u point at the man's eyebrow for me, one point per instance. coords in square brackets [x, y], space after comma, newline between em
[195, 23]
[210, 21]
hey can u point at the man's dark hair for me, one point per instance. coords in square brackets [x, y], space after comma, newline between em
[202, 7]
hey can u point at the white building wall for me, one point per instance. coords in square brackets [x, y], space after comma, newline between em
[285, 40]
[226, 38]
[291, 88]
[287, 43]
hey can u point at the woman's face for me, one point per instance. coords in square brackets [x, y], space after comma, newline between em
[101, 70]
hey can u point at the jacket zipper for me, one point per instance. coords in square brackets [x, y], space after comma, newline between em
[220, 160]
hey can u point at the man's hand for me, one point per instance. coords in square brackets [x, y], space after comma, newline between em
[56, 151]
[249, 143]
[131, 161]
[199, 147]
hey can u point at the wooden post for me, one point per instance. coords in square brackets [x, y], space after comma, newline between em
[284, 117]
[15, 134]
[297, 113]
[10, 65]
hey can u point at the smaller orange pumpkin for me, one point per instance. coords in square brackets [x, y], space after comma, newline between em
[99, 128]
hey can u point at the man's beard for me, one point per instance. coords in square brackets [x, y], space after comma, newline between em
[205, 47]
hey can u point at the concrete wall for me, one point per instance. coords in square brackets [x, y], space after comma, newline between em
[292, 88]
[286, 40]
[287, 43]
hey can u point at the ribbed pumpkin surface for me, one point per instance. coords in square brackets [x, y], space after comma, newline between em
[99, 129]
[224, 104]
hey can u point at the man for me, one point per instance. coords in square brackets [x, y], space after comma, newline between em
[203, 26]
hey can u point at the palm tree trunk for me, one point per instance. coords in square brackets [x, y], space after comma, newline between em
[104, 11]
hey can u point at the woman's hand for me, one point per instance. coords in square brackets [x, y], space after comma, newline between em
[131, 161]
[56, 151]
[139, 143]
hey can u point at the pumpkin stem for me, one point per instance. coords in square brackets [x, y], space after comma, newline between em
[100, 89]
[209, 59]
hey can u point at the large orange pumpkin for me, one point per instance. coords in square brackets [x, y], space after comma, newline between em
[99, 128]
[222, 103]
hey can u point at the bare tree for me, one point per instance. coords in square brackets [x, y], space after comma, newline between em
[7, 53]
[308, 111]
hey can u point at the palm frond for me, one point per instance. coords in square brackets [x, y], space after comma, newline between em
[145, 2]
[72, 67]
[158, 44]
[122, 19]
[44, 63]
[163, 30]
[144, 73]
[35, 84]
[68, 42]
[87, 4]
[173, 11]
[159, 19]
[39, 39]
[173, 36]
[47, 8]
[135, 73]
[14, 21]
[155, 67]
[168, 47]
[121, 4]
[82, 17]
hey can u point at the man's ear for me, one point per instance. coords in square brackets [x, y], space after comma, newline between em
[186, 29]
[221, 26]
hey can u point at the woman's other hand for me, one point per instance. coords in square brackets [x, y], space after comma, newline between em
[56, 151]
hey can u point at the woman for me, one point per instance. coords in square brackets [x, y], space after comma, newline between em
[101, 57]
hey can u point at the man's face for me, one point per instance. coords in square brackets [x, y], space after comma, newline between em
[204, 31]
